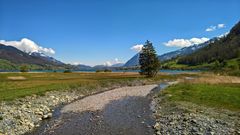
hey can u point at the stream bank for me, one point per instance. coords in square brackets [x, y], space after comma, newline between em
[122, 111]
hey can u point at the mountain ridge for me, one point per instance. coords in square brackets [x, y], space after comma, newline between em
[227, 47]
[134, 61]
[18, 57]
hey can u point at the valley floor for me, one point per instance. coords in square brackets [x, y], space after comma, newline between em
[201, 103]
[26, 99]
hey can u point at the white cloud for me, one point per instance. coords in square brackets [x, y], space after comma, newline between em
[137, 47]
[112, 62]
[28, 46]
[221, 25]
[185, 42]
[224, 34]
[213, 28]
[75, 63]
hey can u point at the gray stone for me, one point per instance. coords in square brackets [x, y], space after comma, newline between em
[194, 121]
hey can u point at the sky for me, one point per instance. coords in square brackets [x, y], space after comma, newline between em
[96, 32]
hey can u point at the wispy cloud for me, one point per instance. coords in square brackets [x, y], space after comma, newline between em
[137, 47]
[28, 46]
[215, 27]
[185, 42]
[211, 28]
[75, 63]
[112, 62]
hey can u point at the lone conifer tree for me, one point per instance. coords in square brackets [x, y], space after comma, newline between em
[148, 60]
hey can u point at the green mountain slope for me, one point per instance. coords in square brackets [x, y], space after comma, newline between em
[221, 50]
[12, 59]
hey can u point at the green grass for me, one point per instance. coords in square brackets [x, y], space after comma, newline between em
[223, 96]
[172, 64]
[7, 65]
[39, 83]
[232, 64]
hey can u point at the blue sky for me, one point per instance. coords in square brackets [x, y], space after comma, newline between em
[95, 31]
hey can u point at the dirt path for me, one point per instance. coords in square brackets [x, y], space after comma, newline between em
[122, 111]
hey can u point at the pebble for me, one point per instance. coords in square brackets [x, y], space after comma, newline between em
[194, 121]
[39, 113]
[22, 115]
[183, 120]
[47, 116]
[212, 133]
[158, 133]
[157, 126]
[31, 125]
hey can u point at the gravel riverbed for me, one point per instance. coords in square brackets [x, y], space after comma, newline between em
[122, 111]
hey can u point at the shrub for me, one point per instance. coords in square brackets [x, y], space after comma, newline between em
[67, 71]
[107, 70]
[24, 68]
[98, 71]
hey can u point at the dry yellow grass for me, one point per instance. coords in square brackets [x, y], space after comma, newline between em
[213, 79]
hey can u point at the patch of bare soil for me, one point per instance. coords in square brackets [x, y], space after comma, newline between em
[16, 78]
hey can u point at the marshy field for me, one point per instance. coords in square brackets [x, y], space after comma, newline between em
[15, 85]
[192, 103]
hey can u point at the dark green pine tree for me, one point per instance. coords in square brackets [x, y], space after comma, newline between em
[149, 63]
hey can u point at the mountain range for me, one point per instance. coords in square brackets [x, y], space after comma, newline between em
[16, 56]
[38, 60]
[99, 67]
[12, 58]
[134, 61]
[220, 51]
[218, 48]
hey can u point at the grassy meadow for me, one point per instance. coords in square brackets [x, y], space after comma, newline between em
[223, 96]
[208, 90]
[220, 92]
[15, 85]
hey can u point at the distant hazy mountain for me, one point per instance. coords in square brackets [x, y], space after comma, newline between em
[134, 61]
[98, 67]
[84, 67]
[117, 65]
[112, 67]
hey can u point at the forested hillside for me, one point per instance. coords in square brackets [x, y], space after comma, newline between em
[226, 48]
